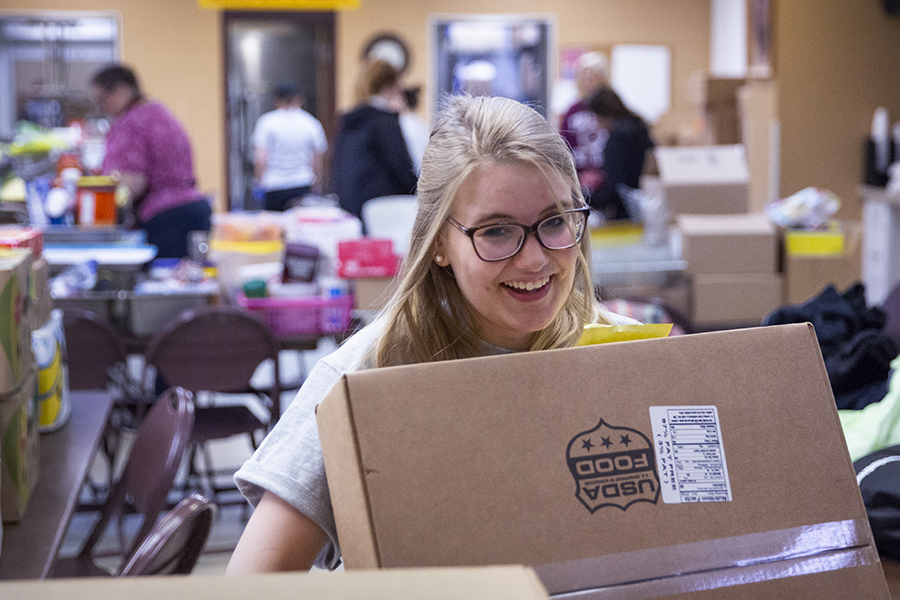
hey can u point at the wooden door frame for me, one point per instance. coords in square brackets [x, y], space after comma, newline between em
[326, 88]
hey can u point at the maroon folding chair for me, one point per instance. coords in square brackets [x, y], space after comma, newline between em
[217, 349]
[175, 543]
[146, 480]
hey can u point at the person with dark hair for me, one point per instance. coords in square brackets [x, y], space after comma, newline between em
[624, 153]
[289, 149]
[579, 126]
[371, 158]
[148, 152]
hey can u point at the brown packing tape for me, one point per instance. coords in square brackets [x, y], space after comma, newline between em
[713, 564]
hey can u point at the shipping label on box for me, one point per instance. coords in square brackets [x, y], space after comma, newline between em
[19, 449]
[704, 179]
[644, 469]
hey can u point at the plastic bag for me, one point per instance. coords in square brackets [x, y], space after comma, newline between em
[810, 208]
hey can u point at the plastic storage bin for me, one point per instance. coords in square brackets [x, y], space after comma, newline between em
[304, 315]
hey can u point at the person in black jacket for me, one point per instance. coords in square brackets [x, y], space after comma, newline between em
[370, 157]
[624, 153]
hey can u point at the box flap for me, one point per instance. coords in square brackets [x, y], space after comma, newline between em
[334, 418]
[481, 461]
[726, 225]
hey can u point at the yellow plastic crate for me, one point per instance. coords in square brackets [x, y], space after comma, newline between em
[815, 243]
[617, 234]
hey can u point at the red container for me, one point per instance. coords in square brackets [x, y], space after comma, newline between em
[367, 257]
[95, 201]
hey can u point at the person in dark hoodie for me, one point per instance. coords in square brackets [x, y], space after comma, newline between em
[624, 153]
[370, 155]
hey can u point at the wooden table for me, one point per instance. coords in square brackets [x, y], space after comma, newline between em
[30, 546]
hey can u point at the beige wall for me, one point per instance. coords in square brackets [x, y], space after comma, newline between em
[175, 47]
[835, 61]
[682, 25]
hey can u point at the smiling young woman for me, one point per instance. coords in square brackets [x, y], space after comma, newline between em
[498, 262]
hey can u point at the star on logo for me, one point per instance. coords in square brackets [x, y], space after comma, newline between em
[626, 440]
[606, 443]
[586, 444]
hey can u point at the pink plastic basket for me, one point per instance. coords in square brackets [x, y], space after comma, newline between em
[304, 315]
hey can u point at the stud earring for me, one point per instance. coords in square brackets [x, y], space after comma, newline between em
[439, 259]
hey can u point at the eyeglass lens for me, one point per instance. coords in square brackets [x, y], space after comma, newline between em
[503, 241]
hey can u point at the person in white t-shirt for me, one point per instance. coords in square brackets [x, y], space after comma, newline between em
[289, 146]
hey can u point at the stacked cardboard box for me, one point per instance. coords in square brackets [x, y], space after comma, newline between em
[704, 179]
[19, 442]
[809, 267]
[372, 266]
[733, 264]
[689, 467]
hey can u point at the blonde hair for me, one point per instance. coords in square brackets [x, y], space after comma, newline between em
[428, 319]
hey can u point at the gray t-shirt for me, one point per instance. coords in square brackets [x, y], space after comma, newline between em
[289, 461]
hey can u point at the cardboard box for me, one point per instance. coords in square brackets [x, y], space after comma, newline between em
[628, 470]
[483, 583]
[735, 299]
[745, 243]
[22, 237]
[19, 449]
[805, 276]
[704, 179]
[15, 307]
[372, 293]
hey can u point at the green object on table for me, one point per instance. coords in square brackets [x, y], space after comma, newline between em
[255, 288]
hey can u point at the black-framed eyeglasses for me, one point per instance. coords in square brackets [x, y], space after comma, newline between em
[499, 241]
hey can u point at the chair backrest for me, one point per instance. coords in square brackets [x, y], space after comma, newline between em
[149, 472]
[173, 546]
[391, 217]
[215, 349]
[92, 348]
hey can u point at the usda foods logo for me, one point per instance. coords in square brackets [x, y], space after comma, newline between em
[612, 466]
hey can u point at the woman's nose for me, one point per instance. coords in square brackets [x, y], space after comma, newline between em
[533, 255]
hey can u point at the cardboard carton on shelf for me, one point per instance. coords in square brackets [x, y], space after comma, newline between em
[704, 179]
[727, 299]
[690, 467]
[806, 274]
[746, 243]
[372, 293]
[482, 583]
[15, 317]
[19, 449]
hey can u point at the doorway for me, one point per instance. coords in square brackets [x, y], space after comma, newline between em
[263, 50]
